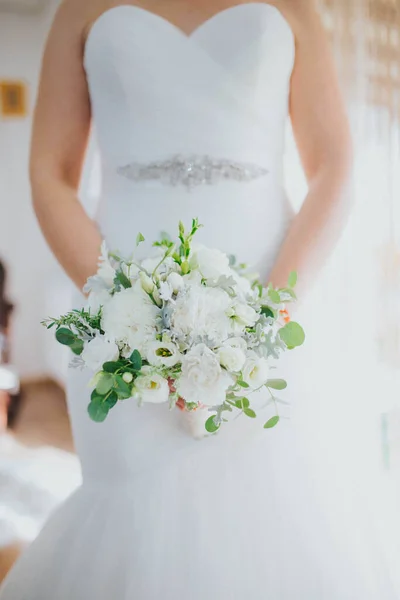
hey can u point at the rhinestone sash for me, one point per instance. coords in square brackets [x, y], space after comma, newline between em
[192, 171]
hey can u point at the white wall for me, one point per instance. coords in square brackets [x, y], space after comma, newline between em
[36, 282]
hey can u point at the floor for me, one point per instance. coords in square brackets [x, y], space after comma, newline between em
[42, 422]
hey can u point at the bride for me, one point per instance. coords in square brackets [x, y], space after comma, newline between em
[161, 515]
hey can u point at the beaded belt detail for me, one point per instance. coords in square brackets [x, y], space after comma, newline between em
[192, 171]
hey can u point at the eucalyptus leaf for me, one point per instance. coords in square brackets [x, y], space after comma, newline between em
[98, 412]
[104, 384]
[292, 334]
[243, 384]
[111, 400]
[112, 367]
[136, 360]
[273, 422]
[276, 384]
[250, 413]
[77, 347]
[292, 281]
[122, 388]
[242, 403]
[65, 336]
[274, 296]
[211, 425]
[96, 397]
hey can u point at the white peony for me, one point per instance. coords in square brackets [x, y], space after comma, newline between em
[202, 380]
[201, 313]
[96, 300]
[98, 351]
[152, 388]
[231, 358]
[255, 371]
[163, 354]
[211, 263]
[130, 317]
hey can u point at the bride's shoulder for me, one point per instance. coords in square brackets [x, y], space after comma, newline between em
[79, 15]
[302, 15]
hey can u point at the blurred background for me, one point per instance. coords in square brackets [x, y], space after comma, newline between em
[355, 307]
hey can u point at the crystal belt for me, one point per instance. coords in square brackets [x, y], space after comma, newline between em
[191, 171]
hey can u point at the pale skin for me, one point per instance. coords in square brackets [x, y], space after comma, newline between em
[63, 117]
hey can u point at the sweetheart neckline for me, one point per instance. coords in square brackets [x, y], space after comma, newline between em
[166, 22]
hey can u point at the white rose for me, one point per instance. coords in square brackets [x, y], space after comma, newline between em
[163, 354]
[176, 282]
[236, 342]
[98, 351]
[211, 263]
[245, 315]
[151, 387]
[130, 317]
[231, 358]
[255, 372]
[201, 313]
[202, 380]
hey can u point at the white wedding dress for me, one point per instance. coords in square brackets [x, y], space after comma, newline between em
[161, 515]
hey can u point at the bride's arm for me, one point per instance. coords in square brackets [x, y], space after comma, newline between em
[60, 134]
[323, 139]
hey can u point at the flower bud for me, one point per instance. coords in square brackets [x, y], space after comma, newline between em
[147, 283]
[127, 377]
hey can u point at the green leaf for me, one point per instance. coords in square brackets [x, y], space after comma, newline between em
[274, 296]
[112, 366]
[272, 422]
[268, 312]
[242, 403]
[65, 336]
[122, 279]
[105, 383]
[292, 281]
[292, 334]
[112, 400]
[211, 425]
[122, 388]
[96, 397]
[77, 347]
[139, 239]
[276, 384]
[243, 384]
[136, 360]
[98, 412]
[250, 413]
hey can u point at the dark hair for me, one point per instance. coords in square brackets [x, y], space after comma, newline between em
[5, 306]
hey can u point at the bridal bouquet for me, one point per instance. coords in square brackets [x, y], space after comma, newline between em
[189, 326]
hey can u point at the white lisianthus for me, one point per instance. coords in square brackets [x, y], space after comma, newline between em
[201, 313]
[163, 354]
[236, 342]
[255, 371]
[151, 387]
[245, 315]
[147, 282]
[98, 351]
[130, 317]
[202, 380]
[176, 282]
[231, 358]
[211, 263]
